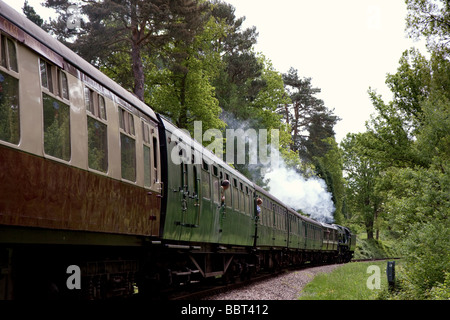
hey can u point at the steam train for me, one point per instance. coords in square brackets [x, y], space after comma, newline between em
[88, 183]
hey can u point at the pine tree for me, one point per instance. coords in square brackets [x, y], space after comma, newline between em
[31, 14]
[133, 27]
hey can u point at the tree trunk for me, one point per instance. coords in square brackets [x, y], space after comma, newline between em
[137, 33]
[369, 229]
[183, 119]
[138, 69]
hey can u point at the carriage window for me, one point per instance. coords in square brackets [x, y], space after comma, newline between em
[241, 197]
[56, 128]
[155, 155]
[151, 148]
[3, 51]
[235, 198]
[147, 155]
[127, 145]
[89, 99]
[128, 157]
[147, 166]
[126, 121]
[195, 177]
[45, 78]
[101, 107]
[12, 56]
[9, 109]
[216, 184]
[206, 191]
[8, 53]
[95, 103]
[97, 144]
[228, 196]
[247, 202]
[97, 130]
[216, 188]
[53, 79]
[64, 85]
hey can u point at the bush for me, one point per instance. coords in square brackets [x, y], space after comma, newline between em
[425, 273]
[373, 249]
[427, 253]
[442, 290]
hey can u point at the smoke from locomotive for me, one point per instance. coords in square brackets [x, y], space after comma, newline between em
[309, 195]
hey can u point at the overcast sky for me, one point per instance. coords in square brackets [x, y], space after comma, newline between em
[345, 46]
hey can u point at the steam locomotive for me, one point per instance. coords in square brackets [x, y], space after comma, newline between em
[92, 204]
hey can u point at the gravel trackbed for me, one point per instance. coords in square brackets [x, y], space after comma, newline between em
[283, 287]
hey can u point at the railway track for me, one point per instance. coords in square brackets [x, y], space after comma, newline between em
[201, 291]
[205, 292]
[374, 259]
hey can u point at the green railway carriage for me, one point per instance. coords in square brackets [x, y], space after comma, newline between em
[236, 214]
[272, 223]
[295, 227]
[312, 234]
[193, 209]
[330, 237]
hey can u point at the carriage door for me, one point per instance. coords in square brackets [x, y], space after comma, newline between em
[305, 238]
[189, 195]
[152, 174]
[184, 193]
[193, 196]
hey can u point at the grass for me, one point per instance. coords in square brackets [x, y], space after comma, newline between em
[348, 282]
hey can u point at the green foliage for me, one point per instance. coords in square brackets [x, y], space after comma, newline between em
[373, 249]
[309, 119]
[431, 19]
[362, 174]
[408, 138]
[427, 254]
[31, 14]
[442, 290]
[408, 142]
[348, 282]
[329, 167]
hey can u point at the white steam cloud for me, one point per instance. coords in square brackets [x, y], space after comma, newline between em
[308, 195]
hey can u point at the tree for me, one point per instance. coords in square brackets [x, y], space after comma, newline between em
[239, 79]
[31, 14]
[362, 173]
[418, 203]
[309, 119]
[409, 138]
[431, 19]
[125, 26]
[265, 117]
[183, 89]
[312, 134]
[329, 167]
